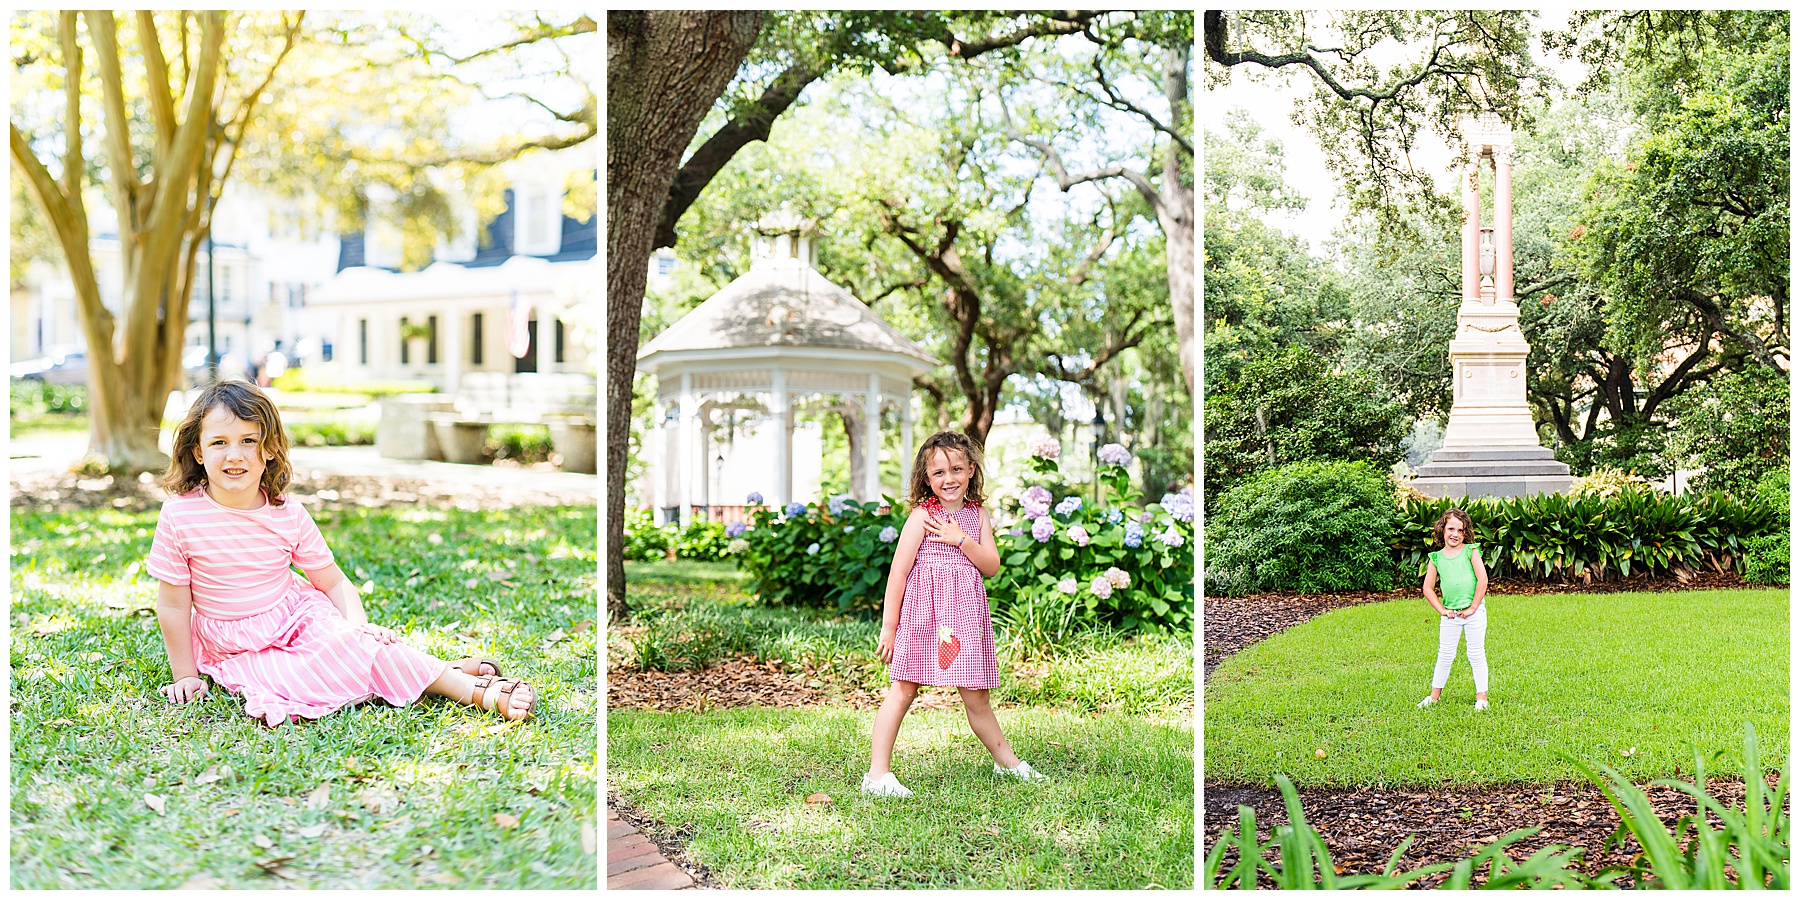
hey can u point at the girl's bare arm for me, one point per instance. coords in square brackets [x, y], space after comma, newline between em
[174, 615]
[342, 591]
[1431, 588]
[905, 553]
[984, 551]
[1480, 581]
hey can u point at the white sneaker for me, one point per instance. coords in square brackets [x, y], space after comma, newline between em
[885, 786]
[1481, 704]
[1023, 771]
[1427, 702]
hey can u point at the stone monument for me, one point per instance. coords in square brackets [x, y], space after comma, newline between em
[1491, 446]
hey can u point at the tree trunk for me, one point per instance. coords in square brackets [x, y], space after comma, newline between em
[852, 418]
[665, 69]
[1176, 215]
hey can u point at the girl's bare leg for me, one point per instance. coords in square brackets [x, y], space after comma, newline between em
[887, 725]
[986, 727]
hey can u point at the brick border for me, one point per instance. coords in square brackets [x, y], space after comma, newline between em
[640, 859]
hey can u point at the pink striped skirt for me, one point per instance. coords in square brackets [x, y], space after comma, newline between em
[940, 597]
[302, 658]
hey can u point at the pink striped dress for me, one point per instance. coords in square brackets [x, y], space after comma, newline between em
[262, 631]
[944, 590]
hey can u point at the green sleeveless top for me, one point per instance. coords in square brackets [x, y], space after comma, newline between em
[1456, 577]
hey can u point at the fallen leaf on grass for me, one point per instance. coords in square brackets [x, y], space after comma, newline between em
[226, 813]
[1320, 753]
[209, 776]
[506, 821]
[312, 831]
[61, 722]
[320, 797]
[818, 798]
[156, 803]
[271, 864]
[201, 883]
[581, 626]
[1631, 752]
[443, 878]
[498, 576]
[262, 840]
[93, 656]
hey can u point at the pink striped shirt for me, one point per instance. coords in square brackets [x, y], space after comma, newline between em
[236, 561]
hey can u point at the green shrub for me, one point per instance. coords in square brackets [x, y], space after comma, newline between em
[1304, 527]
[1591, 537]
[329, 433]
[834, 555]
[643, 538]
[702, 541]
[1607, 482]
[33, 399]
[525, 444]
[1735, 427]
[1766, 559]
[298, 381]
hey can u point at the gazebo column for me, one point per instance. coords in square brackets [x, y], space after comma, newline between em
[684, 459]
[872, 440]
[906, 450]
[705, 466]
[784, 438]
[668, 468]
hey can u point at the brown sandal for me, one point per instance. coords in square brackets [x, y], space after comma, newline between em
[502, 704]
[471, 665]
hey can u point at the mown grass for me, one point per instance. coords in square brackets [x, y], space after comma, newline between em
[1629, 679]
[412, 792]
[694, 614]
[1118, 811]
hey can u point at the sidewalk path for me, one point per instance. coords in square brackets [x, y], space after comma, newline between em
[634, 863]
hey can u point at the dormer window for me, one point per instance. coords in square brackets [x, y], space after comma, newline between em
[537, 221]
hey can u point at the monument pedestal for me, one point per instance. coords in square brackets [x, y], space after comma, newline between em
[1491, 445]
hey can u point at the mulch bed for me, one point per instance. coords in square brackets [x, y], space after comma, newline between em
[52, 492]
[1362, 826]
[1233, 623]
[745, 681]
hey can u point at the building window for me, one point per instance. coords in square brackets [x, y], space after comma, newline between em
[559, 340]
[296, 296]
[475, 347]
[431, 340]
[362, 341]
[665, 265]
[405, 355]
[538, 221]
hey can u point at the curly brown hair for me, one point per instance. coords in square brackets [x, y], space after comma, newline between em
[1468, 525]
[249, 404]
[920, 488]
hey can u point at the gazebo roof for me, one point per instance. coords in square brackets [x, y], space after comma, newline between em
[784, 304]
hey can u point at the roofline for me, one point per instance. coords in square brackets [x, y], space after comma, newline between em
[734, 357]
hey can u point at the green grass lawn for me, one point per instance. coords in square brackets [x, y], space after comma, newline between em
[51, 424]
[1591, 675]
[369, 797]
[1118, 812]
[1109, 718]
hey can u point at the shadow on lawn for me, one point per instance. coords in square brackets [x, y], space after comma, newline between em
[114, 788]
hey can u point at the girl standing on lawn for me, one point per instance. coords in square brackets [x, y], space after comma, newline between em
[1461, 612]
[934, 624]
[231, 607]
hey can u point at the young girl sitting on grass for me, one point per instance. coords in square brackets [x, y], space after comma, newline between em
[231, 608]
[934, 625]
[1461, 612]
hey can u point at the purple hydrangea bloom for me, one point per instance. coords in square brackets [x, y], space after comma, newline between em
[1134, 534]
[1036, 502]
[1068, 586]
[1115, 455]
[735, 529]
[1043, 528]
[1079, 535]
[837, 504]
[1101, 587]
[1146, 517]
[1171, 537]
[755, 499]
[1068, 505]
[795, 509]
[1181, 505]
[888, 535]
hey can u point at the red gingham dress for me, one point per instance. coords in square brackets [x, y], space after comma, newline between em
[944, 589]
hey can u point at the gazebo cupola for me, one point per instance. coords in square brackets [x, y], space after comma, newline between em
[777, 335]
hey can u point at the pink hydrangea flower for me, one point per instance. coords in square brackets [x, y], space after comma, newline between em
[1068, 586]
[1079, 535]
[1101, 587]
[1046, 447]
[1118, 577]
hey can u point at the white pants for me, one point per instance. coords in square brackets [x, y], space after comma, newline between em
[1450, 630]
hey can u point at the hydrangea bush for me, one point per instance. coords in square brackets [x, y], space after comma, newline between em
[1109, 564]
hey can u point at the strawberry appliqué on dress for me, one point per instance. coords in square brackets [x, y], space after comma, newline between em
[948, 647]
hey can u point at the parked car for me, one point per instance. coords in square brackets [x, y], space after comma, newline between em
[69, 368]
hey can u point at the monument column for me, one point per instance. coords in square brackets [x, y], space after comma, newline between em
[1491, 446]
[1471, 234]
[1503, 230]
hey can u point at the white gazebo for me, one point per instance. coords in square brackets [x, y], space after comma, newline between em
[778, 334]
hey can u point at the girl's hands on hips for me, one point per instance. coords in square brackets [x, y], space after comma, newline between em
[381, 635]
[944, 531]
[185, 690]
[884, 647]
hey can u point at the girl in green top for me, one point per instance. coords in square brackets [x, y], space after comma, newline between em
[1460, 612]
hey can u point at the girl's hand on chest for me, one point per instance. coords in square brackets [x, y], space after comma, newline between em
[945, 530]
